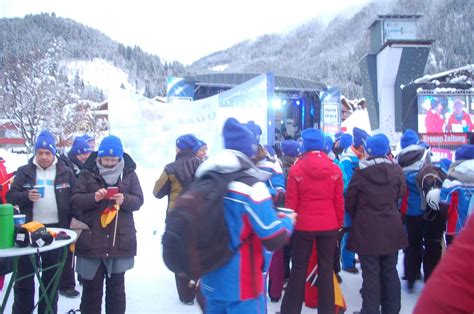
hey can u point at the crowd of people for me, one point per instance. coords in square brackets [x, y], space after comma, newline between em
[333, 201]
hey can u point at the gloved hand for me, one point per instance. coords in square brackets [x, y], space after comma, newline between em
[432, 198]
[279, 198]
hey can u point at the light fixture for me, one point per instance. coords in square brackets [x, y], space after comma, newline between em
[276, 103]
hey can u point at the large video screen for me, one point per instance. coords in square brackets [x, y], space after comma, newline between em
[445, 113]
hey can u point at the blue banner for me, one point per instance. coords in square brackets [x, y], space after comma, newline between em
[178, 88]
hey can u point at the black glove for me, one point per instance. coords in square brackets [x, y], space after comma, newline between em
[279, 199]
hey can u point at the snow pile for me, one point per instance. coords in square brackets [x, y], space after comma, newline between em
[99, 73]
[220, 68]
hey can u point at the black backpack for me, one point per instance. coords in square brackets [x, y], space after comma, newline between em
[196, 240]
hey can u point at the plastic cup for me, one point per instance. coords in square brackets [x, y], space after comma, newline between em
[285, 210]
[40, 189]
[19, 219]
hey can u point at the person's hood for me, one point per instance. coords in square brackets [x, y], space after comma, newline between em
[413, 157]
[72, 157]
[462, 170]
[185, 153]
[228, 161]
[317, 165]
[376, 170]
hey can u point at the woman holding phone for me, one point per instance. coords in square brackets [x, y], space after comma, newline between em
[107, 194]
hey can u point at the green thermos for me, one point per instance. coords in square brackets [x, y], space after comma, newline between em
[6, 226]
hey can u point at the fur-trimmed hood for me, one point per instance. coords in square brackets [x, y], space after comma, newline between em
[462, 170]
[413, 157]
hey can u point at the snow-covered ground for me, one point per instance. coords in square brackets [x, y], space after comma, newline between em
[150, 286]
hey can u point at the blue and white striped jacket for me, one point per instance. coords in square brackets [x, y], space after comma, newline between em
[253, 225]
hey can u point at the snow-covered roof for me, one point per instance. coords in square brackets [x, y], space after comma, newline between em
[407, 42]
[458, 75]
[394, 16]
[234, 79]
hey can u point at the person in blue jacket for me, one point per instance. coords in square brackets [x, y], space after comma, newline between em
[274, 264]
[424, 235]
[253, 224]
[456, 197]
[349, 162]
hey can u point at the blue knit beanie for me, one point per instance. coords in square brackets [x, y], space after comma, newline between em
[338, 136]
[359, 136]
[200, 144]
[328, 144]
[444, 164]
[80, 146]
[270, 150]
[377, 145]
[345, 141]
[187, 141]
[409, 137]
[313, 139]
[111, 146]
[465, 152]
[290, 148]
[255, 129]
[88, 138]
[238, 137]
[45, 140]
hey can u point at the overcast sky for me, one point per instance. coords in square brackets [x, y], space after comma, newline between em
[183, 30]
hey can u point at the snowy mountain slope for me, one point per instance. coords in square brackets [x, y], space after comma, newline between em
[99, 73]
[330, 52]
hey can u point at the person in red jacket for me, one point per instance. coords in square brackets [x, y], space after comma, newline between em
[459, 121]
[5, 180]
[315, 192]
[450, 288]
[434, 120]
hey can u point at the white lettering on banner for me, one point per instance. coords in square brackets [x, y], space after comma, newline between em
[331, 128]
[444, 139]
[439, 153]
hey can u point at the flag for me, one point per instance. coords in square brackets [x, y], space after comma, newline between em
[108, 215]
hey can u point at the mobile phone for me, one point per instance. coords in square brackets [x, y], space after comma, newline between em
[111, 191]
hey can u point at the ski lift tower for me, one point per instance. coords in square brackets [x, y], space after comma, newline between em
[396, 58]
